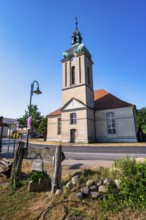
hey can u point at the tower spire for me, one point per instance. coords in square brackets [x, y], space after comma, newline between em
[76, 23]
[76, 37]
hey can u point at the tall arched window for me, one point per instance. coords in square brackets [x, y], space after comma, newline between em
[88, 75]
[73, 75]
[80, 77]
[59, 126]
[65, 74]
[111, 123]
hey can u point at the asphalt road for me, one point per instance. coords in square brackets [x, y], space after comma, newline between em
[98, 152]
[97, 149]
[88, 153]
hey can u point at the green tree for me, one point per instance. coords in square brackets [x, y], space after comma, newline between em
[36, 118]
[141, 118]
[42, 129]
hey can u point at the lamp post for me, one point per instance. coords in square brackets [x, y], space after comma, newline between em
[38, 92]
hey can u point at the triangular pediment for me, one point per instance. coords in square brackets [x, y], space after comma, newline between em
[73, 104]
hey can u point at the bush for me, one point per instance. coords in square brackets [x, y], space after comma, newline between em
[37, 176]
[132, 186]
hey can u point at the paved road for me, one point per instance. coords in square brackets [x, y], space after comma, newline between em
[101, 156]
[8, 147]
[89, 153]
[98, 149]
[99, 152]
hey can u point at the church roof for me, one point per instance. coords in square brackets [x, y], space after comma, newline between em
[56, 112]
[105, 100]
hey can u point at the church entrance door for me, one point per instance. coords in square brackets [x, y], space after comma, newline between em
[72, 135]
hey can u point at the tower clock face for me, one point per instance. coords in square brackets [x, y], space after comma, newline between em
[72, 59]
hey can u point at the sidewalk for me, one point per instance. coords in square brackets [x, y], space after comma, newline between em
[85, 164]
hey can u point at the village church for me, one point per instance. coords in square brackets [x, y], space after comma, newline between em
[88, 115]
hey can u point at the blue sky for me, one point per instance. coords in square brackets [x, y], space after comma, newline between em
[35, 33]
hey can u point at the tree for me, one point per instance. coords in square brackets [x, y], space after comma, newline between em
[36, 118]
[141, 118]
[42, 129]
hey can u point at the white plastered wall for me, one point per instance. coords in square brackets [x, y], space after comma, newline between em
[80, 126]
[52, 129]
[125, 125]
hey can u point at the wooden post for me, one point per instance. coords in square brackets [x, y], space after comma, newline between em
[17, 163]
[56, 179]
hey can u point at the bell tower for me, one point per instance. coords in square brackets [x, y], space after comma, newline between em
[77, 91]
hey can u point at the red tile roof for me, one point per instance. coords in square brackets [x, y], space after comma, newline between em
[56, 112]
[105, 100]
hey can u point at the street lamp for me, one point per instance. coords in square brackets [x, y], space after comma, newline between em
[37, 92]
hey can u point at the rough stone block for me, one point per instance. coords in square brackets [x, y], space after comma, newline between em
[44, 185]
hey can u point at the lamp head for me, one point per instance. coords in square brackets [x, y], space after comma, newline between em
[37, 91]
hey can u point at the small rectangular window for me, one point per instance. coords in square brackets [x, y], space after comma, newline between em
[73, 118]
[111, 123]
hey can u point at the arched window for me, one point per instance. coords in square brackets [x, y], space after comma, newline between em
[111, 123]
[73, 75]
[59, 126]
[73, 118]
[65, 74]
[88, 75]
[80, 77]
[75, 39]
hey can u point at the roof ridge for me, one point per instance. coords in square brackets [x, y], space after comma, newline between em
[103, 100]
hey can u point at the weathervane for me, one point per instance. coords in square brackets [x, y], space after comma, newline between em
[76, 23]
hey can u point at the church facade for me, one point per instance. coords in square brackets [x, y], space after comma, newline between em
[86, 115]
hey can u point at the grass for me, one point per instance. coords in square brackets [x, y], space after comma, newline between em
[21, 204]
[15, 205]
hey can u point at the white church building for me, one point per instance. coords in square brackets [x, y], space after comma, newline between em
[86, 115]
